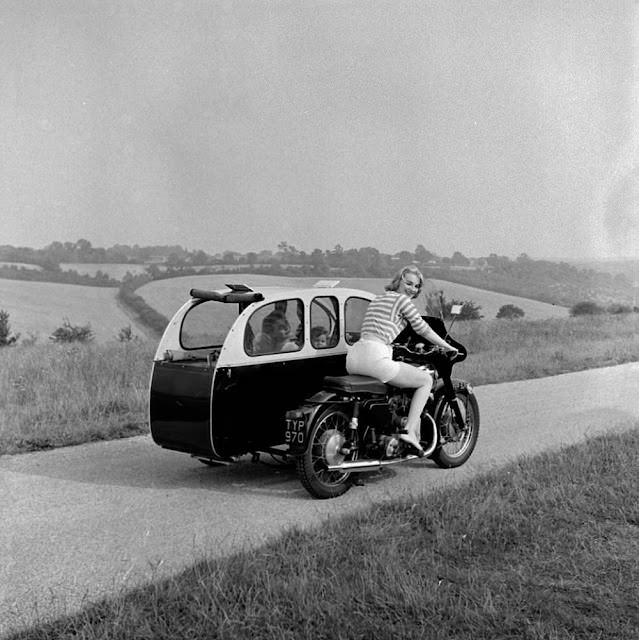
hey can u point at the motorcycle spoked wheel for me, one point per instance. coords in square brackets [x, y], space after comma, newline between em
[326, 439]
[456, 445]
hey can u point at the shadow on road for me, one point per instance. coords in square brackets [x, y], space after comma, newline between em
[137, 462]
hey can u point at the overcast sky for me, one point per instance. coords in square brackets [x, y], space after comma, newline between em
[494, 126]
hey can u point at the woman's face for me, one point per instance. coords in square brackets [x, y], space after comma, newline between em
[409, 284]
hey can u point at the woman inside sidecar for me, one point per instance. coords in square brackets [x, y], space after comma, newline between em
[232, 362]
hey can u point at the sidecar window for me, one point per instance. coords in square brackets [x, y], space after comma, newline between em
[206, 325]
[324, 322]
[354, 311]
[275, 328]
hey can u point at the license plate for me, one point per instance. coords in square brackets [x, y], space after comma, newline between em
[295, 430]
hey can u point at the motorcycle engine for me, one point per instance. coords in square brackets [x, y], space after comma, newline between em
[389, 446]
[398, 405]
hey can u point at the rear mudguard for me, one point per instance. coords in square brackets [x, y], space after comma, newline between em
[308, 412]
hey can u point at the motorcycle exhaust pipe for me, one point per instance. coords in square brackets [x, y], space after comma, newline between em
[368, 465]
[355, 466]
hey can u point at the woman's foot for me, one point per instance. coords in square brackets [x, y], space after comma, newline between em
[410, 439]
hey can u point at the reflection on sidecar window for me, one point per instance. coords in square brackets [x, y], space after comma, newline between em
[354, 311]
[277, 327]
[324, 322]
[206, 325]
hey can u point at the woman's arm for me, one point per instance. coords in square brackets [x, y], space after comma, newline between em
[421, 327]
[432, 336]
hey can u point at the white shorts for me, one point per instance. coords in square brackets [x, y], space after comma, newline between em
[372, 358]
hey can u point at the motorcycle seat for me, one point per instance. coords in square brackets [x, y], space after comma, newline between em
[354, 384]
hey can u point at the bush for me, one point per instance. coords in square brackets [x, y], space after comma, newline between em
[470, 310]
[72, 333]
[6, 338]
[438, 305]
[586, 308]
[510, 312]
[126, 334]
[617, 308]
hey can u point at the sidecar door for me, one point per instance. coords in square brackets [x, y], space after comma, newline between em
[259, 379]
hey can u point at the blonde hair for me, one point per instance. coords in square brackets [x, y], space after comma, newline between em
[393, 285]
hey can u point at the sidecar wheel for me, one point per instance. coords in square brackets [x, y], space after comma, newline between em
[456, 445]
[326, 438]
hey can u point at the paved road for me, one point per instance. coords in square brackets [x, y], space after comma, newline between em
[82, 522]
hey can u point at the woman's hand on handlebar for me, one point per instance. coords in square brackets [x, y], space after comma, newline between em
[448, 351]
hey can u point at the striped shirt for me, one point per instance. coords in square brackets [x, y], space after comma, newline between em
[388, 314]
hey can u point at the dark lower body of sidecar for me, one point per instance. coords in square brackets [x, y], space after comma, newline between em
[217, 413]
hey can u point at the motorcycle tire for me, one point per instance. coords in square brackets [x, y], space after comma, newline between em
[326, 437]
[455, 448]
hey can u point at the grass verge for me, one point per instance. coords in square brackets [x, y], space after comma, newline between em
[56, 395]
[507, 350]
[545, 548]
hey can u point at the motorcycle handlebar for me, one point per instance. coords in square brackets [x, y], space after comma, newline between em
[402, 352]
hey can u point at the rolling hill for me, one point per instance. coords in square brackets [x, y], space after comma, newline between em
[39, 308]
[166, 296]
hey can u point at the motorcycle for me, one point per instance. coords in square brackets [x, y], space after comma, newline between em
[352, 425]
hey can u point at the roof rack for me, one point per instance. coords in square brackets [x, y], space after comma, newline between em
[243, 297]
[238, 287]
[324, 284]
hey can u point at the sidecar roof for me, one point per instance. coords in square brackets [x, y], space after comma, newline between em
[249, 300]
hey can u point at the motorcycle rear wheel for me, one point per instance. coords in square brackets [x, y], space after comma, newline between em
[325, 440]
[456, 445]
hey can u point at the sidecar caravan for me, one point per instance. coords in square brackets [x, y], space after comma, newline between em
[231, 362]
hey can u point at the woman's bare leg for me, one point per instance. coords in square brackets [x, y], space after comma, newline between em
[410, 377]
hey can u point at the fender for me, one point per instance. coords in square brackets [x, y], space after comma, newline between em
[299, 420]
[440, 393]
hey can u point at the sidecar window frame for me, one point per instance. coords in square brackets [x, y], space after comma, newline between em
[218, 314]
[353, 317]
[325, 313]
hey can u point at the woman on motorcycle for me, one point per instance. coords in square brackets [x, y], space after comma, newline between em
[372, 354]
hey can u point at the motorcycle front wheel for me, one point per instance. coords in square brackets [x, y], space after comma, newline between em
[456, 442]
[325, 442]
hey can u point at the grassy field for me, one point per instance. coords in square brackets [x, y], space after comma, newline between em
[166, 296]
[25, 265]
[544, 549]
[57, 395]
[503, 350]
[37, 309]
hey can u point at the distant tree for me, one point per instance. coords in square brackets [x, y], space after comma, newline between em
[72, 333]
[6, 338]
[510, 312]
[405, 257]
[423, 255]
[459, 259]
[318, 261]
[228, 257]
[586, 308]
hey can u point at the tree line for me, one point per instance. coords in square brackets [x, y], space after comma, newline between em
[553, 282]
